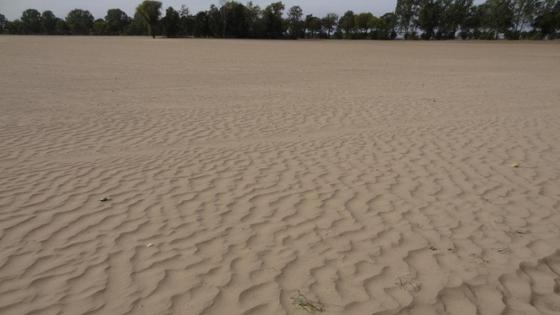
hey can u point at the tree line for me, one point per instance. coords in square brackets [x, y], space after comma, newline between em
[413, 19]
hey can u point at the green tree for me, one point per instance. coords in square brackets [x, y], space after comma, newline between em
[48, 22]
[137, 26]
[461, 11]
[524, 13]
[31, 20]
[429, 15]
[15, 27]
[223, 13]
[272, 20]
[348, 23]
[61, 27]
[171, 22]
[80, 22]
[453, 14]
[497, 16]
[150, 12]
[329, 23]
[404, 12]
[216, 21]
[236, 19]
[186, 22]
[547, 21]
[386, 26]
[295, 22]
[99, 27]
[473, 22]
[364, 22]
[255, 20]
[313, 25]
[201, 25]
[3, 23]
[116, 22]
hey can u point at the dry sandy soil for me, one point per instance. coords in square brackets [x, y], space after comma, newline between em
[265, 177]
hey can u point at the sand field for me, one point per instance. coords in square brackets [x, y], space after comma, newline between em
[266, 177]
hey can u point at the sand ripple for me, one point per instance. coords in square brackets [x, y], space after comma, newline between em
[361, 195]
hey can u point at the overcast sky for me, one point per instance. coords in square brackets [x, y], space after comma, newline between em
[12, 8]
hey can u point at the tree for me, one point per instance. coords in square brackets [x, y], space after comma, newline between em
[3, 23]
[137, 26]
[116, 22]
[201, 27]
[216, 21]
[273, 22]
[186, 23]
[236, 20]
[295, 22]
[404, 12]
[80, 22]
[150, 12]
[461, 10]
[364, 22]
[429, 15]
[347, 23]
[61, 27]
[15, 27]
[524, 13]
[547, 20]
[31, 21]
[223, 23]
[313, 25]
[48, 22]
[171, 22]
[497, 16]
[255, 20]
[386, 26]
[453, 14]
[329, 23]
[472, 24]
[99, 27]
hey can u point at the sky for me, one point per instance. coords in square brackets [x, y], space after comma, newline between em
[12, 8]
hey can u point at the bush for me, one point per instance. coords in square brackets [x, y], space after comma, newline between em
[513, 35]
[487, 35]
[411, 35]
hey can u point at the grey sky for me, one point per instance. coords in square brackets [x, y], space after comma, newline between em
[12, 8]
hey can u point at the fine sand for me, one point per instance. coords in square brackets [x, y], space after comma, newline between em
[278, 177]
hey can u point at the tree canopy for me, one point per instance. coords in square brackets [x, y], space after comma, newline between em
[80, 22]
[150, 11]
[31, 21]
[116, 22]
[3, 23]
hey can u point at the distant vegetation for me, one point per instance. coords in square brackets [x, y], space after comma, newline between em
[412, 19]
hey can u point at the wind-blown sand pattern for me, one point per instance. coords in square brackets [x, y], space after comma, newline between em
[369, 177]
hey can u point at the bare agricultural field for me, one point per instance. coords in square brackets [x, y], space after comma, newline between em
[144, 176]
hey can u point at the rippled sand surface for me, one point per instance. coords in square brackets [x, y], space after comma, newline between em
[265, 177]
